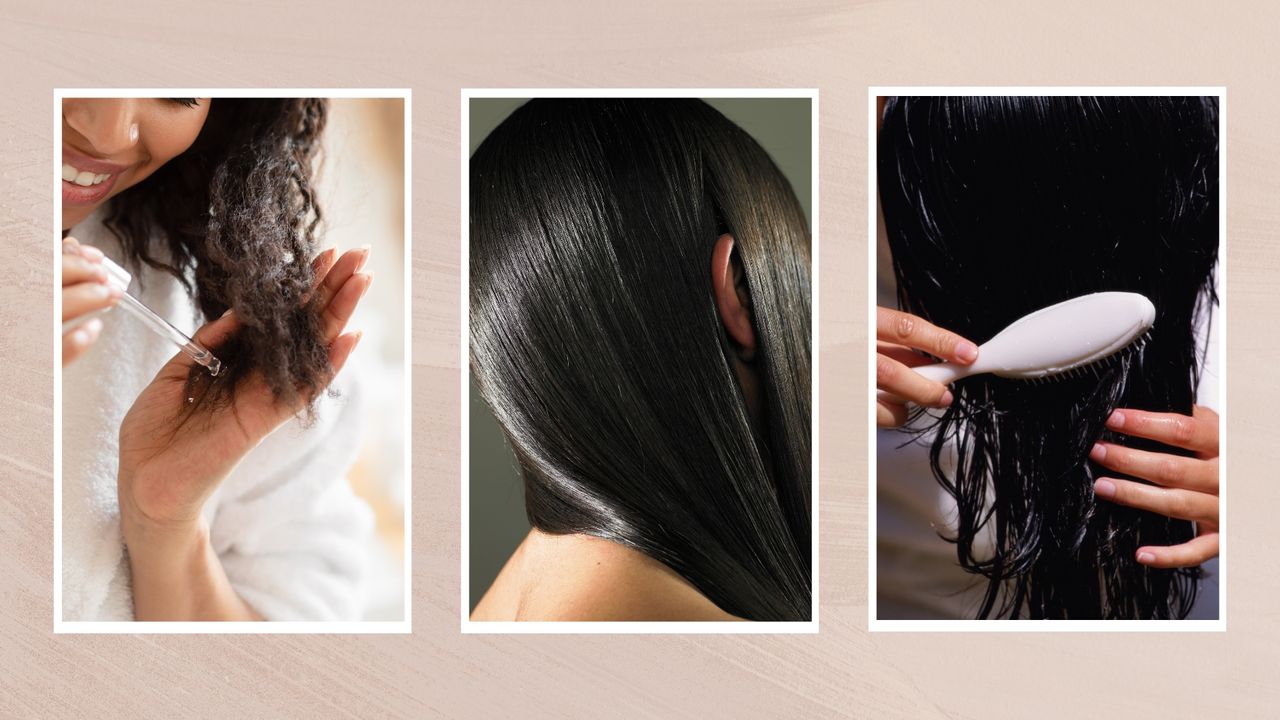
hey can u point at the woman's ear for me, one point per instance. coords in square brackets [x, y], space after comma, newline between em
[729, 284]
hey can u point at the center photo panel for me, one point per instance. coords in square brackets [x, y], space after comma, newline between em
[638, 446]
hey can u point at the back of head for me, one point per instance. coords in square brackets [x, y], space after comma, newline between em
[998, 206]
[595, 339]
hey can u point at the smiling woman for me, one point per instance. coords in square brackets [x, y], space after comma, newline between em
[111, 145]
[228, 506]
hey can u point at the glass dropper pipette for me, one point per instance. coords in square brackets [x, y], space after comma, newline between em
[120, 278]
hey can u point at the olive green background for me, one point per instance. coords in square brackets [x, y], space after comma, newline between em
[783, 126]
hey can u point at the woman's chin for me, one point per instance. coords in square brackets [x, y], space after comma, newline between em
[79, 201]
[72, 216]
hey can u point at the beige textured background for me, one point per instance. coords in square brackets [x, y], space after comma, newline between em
[436, 48]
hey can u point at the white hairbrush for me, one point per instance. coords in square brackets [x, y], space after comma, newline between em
[1067, 339]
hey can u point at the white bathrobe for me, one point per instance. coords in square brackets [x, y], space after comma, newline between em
[285, 524]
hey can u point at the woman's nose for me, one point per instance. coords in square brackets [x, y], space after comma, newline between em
[109, 125]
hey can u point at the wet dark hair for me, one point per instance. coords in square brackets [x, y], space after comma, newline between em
[998, 206]
[238, 215]
[595, 339]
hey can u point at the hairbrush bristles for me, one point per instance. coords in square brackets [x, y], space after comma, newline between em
[1097, 367]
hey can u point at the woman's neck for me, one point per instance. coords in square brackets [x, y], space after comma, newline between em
[579, 577]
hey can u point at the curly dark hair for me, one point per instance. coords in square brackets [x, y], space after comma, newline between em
[238, 216]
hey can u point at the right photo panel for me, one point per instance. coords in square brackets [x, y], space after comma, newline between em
[1048, 368]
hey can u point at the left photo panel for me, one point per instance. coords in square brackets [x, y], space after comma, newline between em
[232, 390]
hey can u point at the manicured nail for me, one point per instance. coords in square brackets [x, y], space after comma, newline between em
[92, 254]
[228, 312]
[946, 399]
[114, 292]
[365, 250]
[967, 351]
[1146, 558]
[1104, 488]
[1098, 453]
[1116, 421]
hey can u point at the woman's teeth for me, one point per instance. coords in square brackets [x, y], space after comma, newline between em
[82, 178]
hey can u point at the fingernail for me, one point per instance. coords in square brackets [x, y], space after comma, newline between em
[359, 336]
[967, 351]
[228, 312]
[1116, 421]
[1104, 488]
[364, 257]
[1098, 453]
[1146, 558]
[114, 292]
[92, 254]
[946, 399]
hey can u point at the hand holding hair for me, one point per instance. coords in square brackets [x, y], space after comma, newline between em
[179, 441]
[899, 336]
[85, 290]
[1184, 487]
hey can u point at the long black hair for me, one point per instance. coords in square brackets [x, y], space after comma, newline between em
[236, 216]
[595, 339]
[997, 206]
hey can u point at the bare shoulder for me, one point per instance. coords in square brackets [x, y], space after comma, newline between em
[576, 577]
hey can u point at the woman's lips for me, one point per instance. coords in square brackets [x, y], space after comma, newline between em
[86, 181]
[74, 194]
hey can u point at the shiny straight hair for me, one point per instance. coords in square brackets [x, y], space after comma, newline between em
[998, 206]
[596, 341]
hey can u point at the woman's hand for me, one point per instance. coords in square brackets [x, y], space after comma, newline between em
[1185, 487]
[84, 290]
[171, 462]
[898, 336]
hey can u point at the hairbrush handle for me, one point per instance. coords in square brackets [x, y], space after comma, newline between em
[945, 373]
